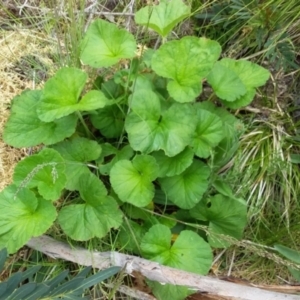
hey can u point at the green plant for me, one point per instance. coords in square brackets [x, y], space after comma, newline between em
[292, 255]
[23, 285]
[133, 149]
[252, 27]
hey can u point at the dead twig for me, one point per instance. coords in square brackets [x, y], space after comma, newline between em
[153, 271]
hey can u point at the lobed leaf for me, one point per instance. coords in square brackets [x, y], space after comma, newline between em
[132, 180]
[25, 129]
[169, 291]
[234, 81]
[226, 83]
[61, 95]
[77, 153]
[96, 217]
[45, 170]
[170, 166]
[150, 129]
[186, 189]
[186, 62]
[105, 44]
[163, 17]
[209, 132]
[189, 251]
[244, 100]
[226, 216]
[252, 75]
[23, 215]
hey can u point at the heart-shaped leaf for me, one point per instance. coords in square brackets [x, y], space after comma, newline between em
[252, 75]
[170, 166]
[150, 129]
[226, 216]
[77, 153]
[186, 62]
[187, 188]
[61, 95]
[189, 251]
[95, 217]
[132, 181]
[241, 101]
[25, 129]
[105, 44]
[45, 170]
[232, 130]
[226, 83]
[169, 291]
[209, 132]
[163, 17]
[23, 215]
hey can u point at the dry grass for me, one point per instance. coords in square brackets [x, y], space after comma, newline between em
[16, 45]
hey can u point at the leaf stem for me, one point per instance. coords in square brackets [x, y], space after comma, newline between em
[87, 131]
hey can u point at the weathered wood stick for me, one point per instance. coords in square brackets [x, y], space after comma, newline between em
[153, 271]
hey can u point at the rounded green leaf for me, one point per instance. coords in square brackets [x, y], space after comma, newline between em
[25, 129]
[45, 170]
[169, 291]
[170, 166]
[91, 188]
[209, 132]
[132, 181]
[186, 62]
[251, 74]
[182, 93]
[109, 120]
[150, 129]
[232, 128]
[92, 100]
[22, 216]
[163, 17]
[77, 153]
[82, 222]
[186, 189]
[226, 216]
[105, 44]
[96, 217]
[226, 83]
[62, 92]
[189, 251]
[241, 101]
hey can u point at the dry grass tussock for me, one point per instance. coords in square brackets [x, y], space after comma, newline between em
[15, 45]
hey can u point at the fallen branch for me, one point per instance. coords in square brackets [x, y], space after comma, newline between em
[153, 271]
